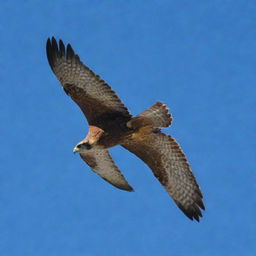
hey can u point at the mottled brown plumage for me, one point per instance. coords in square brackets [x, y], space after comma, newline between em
[110, 124]
[101, 162]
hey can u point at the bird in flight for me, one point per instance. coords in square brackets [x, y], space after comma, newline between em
[111, 124]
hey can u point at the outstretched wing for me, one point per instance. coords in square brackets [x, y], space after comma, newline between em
[169, 165]
[95, 98]
[101, 162]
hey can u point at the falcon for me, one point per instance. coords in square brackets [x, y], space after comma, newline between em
[111, 124]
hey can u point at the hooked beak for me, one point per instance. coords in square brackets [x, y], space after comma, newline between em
[75, 150]
[82, 146]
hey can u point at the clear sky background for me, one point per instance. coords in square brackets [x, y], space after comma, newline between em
[196, 56]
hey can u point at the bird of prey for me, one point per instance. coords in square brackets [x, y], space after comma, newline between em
[111, 124]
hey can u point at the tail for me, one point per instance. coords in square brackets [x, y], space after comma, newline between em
[157, 117]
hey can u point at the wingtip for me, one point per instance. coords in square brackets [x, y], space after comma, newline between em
[201, 205]
[49, 52]
[194, 216]
[62, 48]
[197, 219]
[193, 212]
[130, 189]
[56, 50]
[70, 51]
[127, 188]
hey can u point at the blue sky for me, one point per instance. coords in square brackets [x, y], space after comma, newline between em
[196, 56]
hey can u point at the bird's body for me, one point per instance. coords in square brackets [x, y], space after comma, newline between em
[111, 124]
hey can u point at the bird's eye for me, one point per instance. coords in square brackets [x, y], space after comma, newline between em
[79, 146]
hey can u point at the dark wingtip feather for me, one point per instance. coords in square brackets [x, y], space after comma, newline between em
[62, 48]
[130, 189]
[49, 52]
[201, 204]
[70, 52]
[197, 210]
[193, 212]
[55, 46]
[126, 187]
[55, 51]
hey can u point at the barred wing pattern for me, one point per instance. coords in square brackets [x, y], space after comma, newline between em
[95, 98]
[157, 116]
[101, 162]
[140, 135]
[169, 165]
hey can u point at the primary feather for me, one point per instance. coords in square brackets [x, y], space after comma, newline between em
[111, 124]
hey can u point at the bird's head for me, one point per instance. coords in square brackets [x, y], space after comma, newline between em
[82, 147]
[90, 140]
